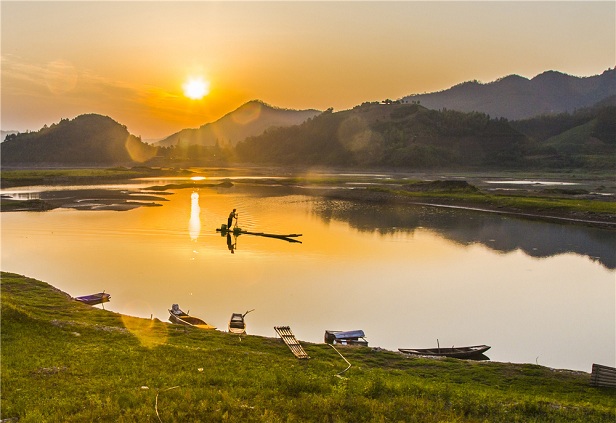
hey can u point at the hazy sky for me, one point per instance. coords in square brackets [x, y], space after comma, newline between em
[129, 60]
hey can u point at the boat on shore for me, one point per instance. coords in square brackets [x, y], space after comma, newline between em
[471, 352]
[351, 337]
[237, 324]
[94, 299]
[177, 316]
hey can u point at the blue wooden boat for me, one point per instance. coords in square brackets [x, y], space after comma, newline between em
[351, 337]
[94, 299]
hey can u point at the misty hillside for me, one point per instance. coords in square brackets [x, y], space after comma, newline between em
[411, 136]
[89, 139]
[515, 97]
[602, 115]
[400, 135]
[252, 118]
[4, 134]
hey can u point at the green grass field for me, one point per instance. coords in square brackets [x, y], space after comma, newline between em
[63, 361]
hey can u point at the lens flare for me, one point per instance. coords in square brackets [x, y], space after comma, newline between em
[196, 88]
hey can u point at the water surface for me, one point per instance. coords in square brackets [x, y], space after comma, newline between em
[407, 275]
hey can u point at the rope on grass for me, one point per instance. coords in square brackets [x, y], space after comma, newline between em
[347, 361]
[156, 404]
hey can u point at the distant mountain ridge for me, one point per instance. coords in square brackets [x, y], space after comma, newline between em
[250, 119]
[389, 134]
[515, 97]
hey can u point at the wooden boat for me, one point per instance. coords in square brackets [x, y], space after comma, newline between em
[238, 231]
[94, 299]
[179, 317]
[604, 376]
[475, 351]
[237, 324]
[351, 337]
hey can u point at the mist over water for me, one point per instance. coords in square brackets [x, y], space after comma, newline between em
[407, 275]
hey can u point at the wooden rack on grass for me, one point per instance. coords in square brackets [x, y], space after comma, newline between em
[287, 336]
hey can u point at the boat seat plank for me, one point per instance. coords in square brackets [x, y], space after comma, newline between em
[289, 339]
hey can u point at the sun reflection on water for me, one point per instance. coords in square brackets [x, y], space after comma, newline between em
[194, 223]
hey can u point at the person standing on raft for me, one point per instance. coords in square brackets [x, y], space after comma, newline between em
[232, 215]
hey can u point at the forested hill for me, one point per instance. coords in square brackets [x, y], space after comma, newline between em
[516, 97]
[401, 135]
[4, 134]
[413, 137]
[250, 119]
[405, 136]
[89, 139]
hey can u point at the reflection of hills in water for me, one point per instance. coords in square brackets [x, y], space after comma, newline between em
[537, 239]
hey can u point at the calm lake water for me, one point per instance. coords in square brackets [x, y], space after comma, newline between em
[407, 275]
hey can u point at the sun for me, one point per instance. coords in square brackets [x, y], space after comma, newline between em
[196, 88]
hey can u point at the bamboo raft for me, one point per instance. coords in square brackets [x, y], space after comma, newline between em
[238, 231]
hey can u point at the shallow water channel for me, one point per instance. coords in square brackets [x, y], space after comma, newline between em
[409, 276]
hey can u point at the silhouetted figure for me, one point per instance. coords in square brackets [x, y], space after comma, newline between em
[232, 215]
[230, 243]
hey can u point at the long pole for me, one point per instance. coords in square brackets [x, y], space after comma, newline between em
[347, 361]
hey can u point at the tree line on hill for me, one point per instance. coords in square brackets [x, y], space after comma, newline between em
[412, 137]
[88, 139]
[392, 134]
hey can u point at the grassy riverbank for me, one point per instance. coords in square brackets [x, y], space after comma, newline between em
[65, 361]
[532, 206]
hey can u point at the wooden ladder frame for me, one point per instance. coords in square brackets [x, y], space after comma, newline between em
[287, 336]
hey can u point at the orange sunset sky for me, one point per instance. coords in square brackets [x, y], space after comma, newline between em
[130, 60]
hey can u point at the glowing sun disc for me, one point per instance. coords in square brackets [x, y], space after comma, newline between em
[196, 88]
